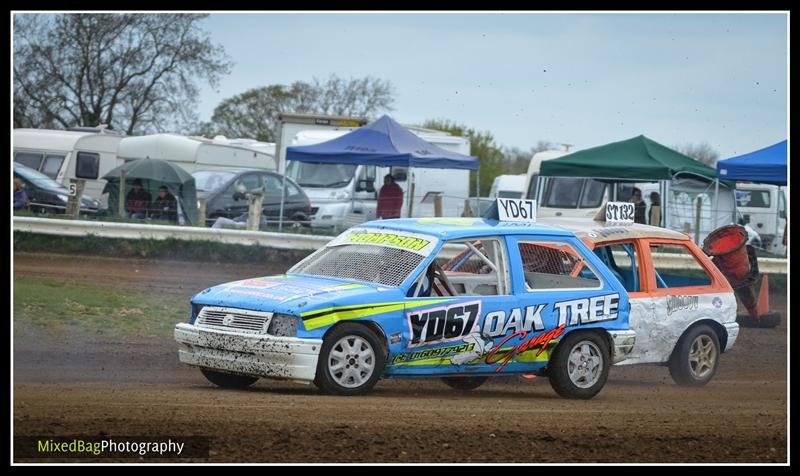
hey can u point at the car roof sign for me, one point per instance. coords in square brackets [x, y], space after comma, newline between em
[513, 210]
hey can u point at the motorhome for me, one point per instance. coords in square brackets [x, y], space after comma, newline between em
[763, 207]
[199, 153]
[78, 153]
[579, 197]
[508, 186]
[342, 195]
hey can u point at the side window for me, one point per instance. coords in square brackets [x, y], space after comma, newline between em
[562, 192]
[555, 265]
[465, 268]
[87, 165]
[272, 185]
[691, 272]
[593, 191]
[292, 190]
[29, 159]
[782, 204]
[248, 181]
[622, 260]
[532, 187]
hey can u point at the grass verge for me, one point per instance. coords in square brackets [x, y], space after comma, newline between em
[60, 308]
[172, 249]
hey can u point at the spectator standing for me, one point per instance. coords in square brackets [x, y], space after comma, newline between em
[137, 201]
[390, 199]
[20, 196]
[640, 208]
[654, 217]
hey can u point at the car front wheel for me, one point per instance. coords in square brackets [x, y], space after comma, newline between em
[225, 380]
[579, 366]
[351, 360]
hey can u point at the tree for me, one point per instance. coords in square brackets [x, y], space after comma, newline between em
[136, 73]
[254, 113]
[702, 152]
[483, 146]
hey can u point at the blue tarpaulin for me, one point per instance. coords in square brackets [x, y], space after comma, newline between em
[385, 143]
[766, 165]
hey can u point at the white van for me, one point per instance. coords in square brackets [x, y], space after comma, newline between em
[84, 153]
[567, 196]
[199, 153]
[763, 207]
[342, 195]
[508, 186]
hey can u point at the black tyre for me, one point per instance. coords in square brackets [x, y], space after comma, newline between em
[464, 383]
[771, 319]
[224, 380]
[351, 360]
[695, 358]
[579, 366]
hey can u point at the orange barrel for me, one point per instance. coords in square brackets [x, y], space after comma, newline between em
[727, 246]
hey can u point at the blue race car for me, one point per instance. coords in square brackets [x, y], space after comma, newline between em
[462, 299]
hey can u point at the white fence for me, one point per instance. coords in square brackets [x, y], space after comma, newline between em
[284, 241]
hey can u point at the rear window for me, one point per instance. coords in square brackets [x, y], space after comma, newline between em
[691, 272]
[555, 265]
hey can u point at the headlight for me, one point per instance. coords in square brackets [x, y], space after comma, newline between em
[62, 197]
[194, 312]
[282, 325]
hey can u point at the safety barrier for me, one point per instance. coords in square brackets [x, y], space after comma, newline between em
[285, 241]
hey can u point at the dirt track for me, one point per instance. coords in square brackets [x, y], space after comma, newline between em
[68, 385]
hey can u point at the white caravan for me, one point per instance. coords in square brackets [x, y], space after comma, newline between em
[577, 197]
[508, 186]
[763, 207]
[342, 195]
[199, 153]
[83, 153]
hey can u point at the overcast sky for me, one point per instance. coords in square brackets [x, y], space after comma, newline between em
[582, 79]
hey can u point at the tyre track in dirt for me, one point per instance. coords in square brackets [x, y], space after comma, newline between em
[81, 384]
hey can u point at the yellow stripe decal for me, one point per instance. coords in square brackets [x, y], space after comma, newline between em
[335, 314]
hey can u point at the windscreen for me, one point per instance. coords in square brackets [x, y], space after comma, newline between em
[321, 175]
[383, 257]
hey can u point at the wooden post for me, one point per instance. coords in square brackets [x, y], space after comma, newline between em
[122, 176]
[255, 201]
[73, 209]
[201, 211]
[437, 205]
[411, 200]
[698, 210]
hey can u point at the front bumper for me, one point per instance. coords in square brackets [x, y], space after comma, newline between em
[623, 345]
[733, 332]
[259, 355]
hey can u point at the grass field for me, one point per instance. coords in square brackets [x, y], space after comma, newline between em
[60, 308]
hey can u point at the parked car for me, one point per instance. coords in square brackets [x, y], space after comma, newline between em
[48, 196]
[225, 194]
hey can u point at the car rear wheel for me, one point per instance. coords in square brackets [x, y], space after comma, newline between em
[225, 380]
[464, 383]
[351, 360]
[696, 357]
[579, 366]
